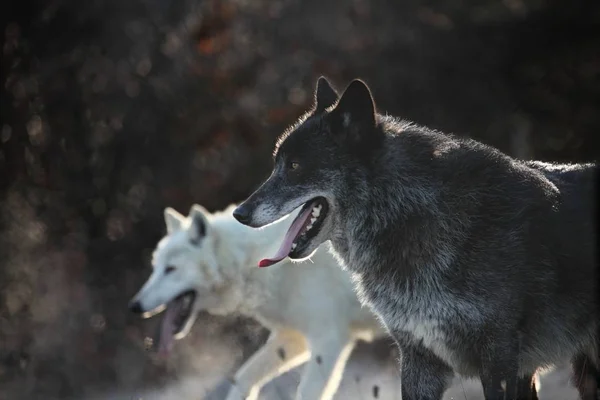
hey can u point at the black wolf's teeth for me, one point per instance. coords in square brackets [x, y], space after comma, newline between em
[316, 211]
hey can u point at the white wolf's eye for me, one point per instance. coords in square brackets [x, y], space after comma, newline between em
[169, 269]
[294, 165]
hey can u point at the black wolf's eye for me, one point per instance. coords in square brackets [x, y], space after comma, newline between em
[169, 269]
[294, 165]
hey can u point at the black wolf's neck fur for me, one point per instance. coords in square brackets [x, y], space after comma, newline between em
[415, 215]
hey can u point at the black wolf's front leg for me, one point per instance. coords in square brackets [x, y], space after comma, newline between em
[500, 362]
[424, 375]
[526, 388]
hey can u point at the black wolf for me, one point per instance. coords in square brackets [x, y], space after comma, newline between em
[478, 263]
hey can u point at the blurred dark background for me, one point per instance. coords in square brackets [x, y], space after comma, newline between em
[113, 110]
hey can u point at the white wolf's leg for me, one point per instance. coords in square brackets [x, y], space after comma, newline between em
[322, 375]
[283, 351]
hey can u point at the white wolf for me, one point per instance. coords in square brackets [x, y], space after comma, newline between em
[209, 262]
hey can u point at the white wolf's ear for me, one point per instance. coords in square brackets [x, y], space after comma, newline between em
[325, 95]
[199, 223]
[355, 112]
[173, 219]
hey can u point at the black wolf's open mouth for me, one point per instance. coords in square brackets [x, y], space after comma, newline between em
[178, 312]
[305, 227]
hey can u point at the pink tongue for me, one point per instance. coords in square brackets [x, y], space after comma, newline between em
[288, 240]
[166, 339]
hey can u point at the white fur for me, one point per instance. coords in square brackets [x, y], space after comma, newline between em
[310, 307]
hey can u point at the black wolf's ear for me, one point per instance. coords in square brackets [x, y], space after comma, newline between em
[325, 95]
[199, 223]
[355, 112]
[173, 220]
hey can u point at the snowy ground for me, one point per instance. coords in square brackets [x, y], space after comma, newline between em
[368, 375]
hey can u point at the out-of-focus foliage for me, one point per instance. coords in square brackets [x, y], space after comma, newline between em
[112, 110]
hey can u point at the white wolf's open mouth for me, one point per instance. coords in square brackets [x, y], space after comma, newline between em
[175, 318]
[304, 228]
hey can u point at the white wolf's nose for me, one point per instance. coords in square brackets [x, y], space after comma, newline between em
[135, 307]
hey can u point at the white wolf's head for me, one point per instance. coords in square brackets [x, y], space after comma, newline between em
[185, 276]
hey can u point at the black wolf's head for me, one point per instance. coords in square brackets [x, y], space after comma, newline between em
[317, 161]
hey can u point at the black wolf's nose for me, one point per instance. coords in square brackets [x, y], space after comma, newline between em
[135, 307]
[242, 214]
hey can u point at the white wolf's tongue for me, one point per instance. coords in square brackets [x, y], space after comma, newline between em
[288, 240]
[167, 328]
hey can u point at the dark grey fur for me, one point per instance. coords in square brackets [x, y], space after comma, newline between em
[478, 263]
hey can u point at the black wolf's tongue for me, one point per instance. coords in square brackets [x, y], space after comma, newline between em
[288, 240]
[167, 328]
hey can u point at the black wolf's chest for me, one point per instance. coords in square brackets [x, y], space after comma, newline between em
[435, 319]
